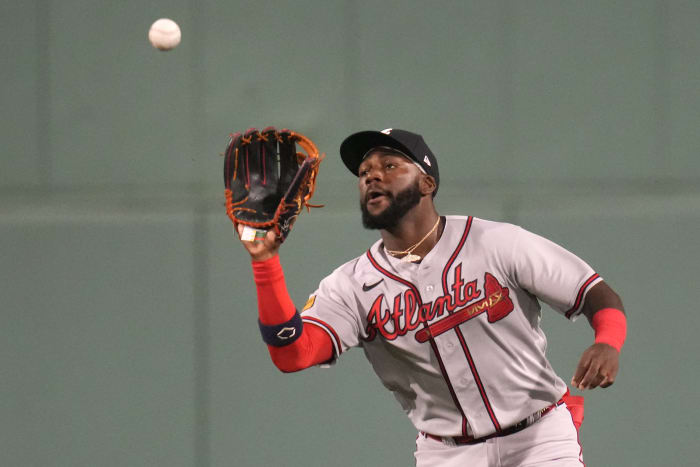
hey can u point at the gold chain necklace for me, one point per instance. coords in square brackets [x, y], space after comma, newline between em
[410, 257]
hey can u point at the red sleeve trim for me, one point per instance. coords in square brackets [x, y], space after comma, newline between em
[328, 329]
[581, 294]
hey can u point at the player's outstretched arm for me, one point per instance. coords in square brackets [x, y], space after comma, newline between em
[292, 346]
[599, 363]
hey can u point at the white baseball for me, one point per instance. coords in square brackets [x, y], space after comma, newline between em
[164, 34]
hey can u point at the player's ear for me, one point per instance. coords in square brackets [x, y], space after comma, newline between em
[427, 184]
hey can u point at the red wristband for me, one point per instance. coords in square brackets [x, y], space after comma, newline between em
[610, 325]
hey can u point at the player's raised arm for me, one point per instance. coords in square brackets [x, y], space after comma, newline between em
[292, 346]
[599, 363]
[268, 182]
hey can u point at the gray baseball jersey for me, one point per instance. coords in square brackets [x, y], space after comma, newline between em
[456, 337]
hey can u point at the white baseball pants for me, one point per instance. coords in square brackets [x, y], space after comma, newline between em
[552, 441]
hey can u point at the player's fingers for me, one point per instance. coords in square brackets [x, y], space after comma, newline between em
[607, 381]
[581, 370]
[590, 376]
[608, 378]
[596, 381]
[270, 237]
[610, 373]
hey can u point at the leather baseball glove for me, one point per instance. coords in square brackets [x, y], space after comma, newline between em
[267, 181]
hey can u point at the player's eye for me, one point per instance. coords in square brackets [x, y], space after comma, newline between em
[390, 165]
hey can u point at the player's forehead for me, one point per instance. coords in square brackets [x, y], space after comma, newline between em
[381, 153]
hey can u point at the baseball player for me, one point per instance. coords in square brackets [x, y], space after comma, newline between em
[447, 311]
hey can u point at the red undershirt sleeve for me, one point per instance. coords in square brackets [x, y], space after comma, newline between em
[313, 346]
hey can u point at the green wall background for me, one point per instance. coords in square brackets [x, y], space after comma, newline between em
[129, 332]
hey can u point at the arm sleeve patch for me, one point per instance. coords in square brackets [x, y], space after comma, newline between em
[309, 303]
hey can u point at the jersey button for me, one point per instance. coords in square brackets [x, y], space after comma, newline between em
[449, 345]
[429, 288]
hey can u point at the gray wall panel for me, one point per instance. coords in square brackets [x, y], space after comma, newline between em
[583, 90]
[120, 108]
[96, 348]
[20, 96]
[439, 71]
[680, 141]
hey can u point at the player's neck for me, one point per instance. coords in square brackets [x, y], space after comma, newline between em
[413, 228]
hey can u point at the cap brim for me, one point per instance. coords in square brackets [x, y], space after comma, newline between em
[356, 146]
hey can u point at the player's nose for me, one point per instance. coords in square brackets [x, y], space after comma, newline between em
[373, 174]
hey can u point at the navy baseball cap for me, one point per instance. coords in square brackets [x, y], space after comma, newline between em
[356, 146]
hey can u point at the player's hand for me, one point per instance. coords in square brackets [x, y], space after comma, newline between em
[598, 367]
[260, 249]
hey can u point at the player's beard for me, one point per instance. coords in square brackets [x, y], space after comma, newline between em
[398, 206]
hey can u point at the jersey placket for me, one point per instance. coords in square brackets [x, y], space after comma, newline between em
[472, 393]
[413, 275]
